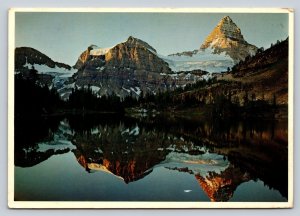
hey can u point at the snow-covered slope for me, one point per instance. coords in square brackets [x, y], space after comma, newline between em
[60, 77]
[44, 69]
[205, 60]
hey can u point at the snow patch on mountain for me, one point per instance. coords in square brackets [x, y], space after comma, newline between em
[61, 77]
[95, 89]
[45, 69]
[97, 51]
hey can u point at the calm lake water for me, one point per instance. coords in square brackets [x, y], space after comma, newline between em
[110, 158]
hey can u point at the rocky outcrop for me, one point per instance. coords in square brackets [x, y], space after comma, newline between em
[227, 37]
[83, 57]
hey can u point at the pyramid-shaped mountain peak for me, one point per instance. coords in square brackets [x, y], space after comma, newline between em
[226, 29]
[227, 37]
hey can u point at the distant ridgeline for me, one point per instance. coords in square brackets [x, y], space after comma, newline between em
[247, 81]
[26, 56]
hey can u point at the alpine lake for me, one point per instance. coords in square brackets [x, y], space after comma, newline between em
[150, 157]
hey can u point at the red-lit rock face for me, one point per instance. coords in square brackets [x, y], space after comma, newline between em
[220, 187]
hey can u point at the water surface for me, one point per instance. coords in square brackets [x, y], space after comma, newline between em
[112, 158]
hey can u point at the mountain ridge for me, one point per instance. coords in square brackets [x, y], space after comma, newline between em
[29, 55]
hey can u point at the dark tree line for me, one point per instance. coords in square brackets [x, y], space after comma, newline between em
[32, 98]
[183, 97]
[85, 100]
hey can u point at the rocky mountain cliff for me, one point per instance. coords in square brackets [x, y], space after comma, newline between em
[129, 68]
[133, 54]
[136, 55]
[85, 55]
[227, 37]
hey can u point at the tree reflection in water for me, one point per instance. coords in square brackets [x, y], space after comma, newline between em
[221, 155]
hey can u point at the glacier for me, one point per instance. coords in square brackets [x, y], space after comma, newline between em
[205, 60]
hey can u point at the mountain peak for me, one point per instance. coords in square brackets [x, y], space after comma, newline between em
[132, 41]
[225, 30]
[226, 19]
[227, 37]
[131, 38]
[92, 46]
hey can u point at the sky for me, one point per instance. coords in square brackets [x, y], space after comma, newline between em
[64, 36]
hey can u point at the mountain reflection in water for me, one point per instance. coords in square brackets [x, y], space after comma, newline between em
[220, 155]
